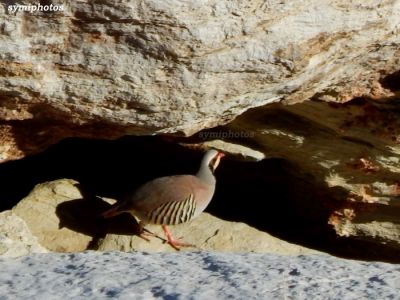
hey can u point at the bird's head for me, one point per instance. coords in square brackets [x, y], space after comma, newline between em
[212, 159]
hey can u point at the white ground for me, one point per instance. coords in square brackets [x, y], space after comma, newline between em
[194, 275]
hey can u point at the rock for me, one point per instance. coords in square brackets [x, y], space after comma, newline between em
[200, 275]
[40, 210]
[66, 221]
[240, 152]
[105, 70]
[206, 233]
[15, 237]
[349, 154]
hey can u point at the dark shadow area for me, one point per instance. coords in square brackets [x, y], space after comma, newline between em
[271, 195]
[103, 168]
[391, 81]
[84, 216]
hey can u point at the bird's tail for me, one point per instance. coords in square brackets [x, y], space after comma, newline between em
[113, 211]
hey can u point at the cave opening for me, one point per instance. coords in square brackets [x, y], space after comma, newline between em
[270, 195]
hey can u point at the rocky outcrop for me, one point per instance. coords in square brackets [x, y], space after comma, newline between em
[206, 233]
[64, 220]
[279, 75]
[348, 153]
[39, 211]
[145, 67]
[15, 237]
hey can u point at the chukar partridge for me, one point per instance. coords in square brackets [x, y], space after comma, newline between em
[172, 200]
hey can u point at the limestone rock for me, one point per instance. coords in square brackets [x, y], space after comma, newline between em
[65, 221]
[15, 237]
[349, 153]
[148, 67]
[207, 233]
[240, 152]
[40, 210]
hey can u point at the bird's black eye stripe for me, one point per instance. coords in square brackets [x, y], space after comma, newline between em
[212, 163]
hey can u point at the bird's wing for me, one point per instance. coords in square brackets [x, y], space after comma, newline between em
[160, 191]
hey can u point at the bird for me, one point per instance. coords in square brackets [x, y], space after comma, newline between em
[171, 200]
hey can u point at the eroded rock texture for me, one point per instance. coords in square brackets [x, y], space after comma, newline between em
[106, 69]
[350, 153]
[15, 237]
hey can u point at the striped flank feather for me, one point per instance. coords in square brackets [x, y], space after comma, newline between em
[174, 212]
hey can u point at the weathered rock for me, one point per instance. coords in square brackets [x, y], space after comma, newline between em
[106, 69]
[206, 233]
[41, 213]
[15, 237]
[350, 153]
[235, 150]
[65, 221]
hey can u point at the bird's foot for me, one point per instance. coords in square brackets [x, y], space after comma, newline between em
[174, 243]
[148, 232]
[144, 233]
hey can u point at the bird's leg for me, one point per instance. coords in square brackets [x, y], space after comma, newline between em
[143, 232]
[173, 242]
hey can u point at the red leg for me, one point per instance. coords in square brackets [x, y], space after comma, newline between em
[173, 242]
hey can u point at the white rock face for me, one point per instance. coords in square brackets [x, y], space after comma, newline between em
[200, 275]
[15, 237]
[177, 67]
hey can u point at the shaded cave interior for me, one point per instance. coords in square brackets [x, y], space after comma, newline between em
[270, 195]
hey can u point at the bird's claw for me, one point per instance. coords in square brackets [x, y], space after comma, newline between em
[173, 242]
[177, 244]
[144, 233]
